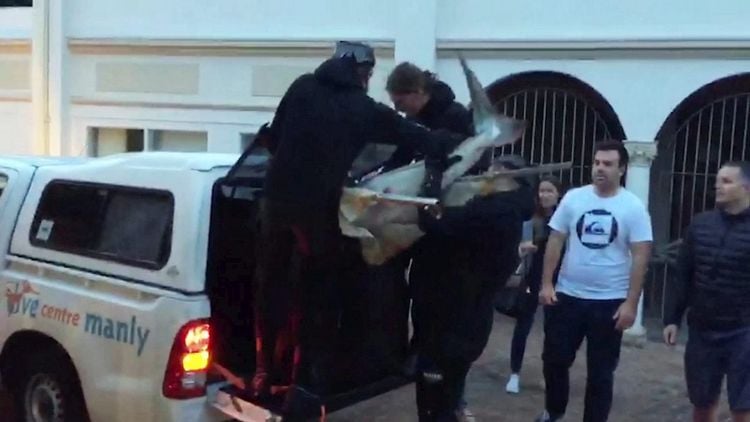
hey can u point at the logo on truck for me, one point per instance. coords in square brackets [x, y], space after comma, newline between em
[22, 298]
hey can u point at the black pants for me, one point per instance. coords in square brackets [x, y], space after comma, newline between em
[524, 322]
[295, 294]
[438, 400]
[566, 324]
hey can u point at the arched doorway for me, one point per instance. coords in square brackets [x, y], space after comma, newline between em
[707, 129]
[565, 116]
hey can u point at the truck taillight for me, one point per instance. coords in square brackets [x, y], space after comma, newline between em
[187, 368]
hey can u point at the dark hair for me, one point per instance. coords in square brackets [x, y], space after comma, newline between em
[407, 78]
[539, 219]
[614, 145]
[744, 167]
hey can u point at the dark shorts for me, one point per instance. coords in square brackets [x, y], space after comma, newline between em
[711, 355]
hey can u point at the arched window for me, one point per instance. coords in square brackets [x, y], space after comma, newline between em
[565, 117]
[707, 129]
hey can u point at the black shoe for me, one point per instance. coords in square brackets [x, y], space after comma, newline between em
[410, 365]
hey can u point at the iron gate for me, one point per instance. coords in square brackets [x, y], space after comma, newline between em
[565, 118]
[683, 175]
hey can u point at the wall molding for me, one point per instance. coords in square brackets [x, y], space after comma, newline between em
[83, 101]
[572, 49]
[216, 47]
[15, 98]
[15, 46]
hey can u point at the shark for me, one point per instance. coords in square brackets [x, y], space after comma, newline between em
[382, 211]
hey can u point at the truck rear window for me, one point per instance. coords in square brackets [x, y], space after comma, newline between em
[128, 225]
[3, 183]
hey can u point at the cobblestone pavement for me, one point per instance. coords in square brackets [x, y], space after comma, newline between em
[649, 385]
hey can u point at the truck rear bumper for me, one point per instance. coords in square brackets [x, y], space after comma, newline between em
[242, 410]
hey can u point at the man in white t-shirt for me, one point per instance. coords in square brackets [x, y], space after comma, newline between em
[608, 234]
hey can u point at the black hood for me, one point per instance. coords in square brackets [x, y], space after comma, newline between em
[521, 200]
[340, 73]
[441, 97]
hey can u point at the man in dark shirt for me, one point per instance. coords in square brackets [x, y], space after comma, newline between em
[322, 123]
[458, 285]
[713, 285]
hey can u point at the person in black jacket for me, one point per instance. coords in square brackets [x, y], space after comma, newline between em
[456, 309]
[322, 123]
[431, 103]
[549, 190]
[713, 284]
[428, 101]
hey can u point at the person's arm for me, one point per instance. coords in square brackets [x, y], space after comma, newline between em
[558, 225]
[552, 255]
[527, 239]
[269, 135]
[641, 239]
[402, 156]
[679, 287]
[641, 253]
[389, 127]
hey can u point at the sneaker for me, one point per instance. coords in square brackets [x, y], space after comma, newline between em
[513, 385]
[465, 415]
[545, 417]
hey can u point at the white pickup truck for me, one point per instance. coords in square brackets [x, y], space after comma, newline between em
[126, 277]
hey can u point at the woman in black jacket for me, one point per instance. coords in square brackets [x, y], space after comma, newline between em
[548, 193]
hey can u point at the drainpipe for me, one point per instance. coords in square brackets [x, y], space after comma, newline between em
[40, 77]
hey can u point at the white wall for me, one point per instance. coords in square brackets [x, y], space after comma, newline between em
[230, 19]
[225, 93]
[592, 19]
[15, 128]
[15, 88]
[373, 19]
[15, 22]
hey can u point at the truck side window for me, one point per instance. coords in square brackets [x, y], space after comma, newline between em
[132, 226]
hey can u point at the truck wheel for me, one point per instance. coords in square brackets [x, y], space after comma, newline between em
[49, 390]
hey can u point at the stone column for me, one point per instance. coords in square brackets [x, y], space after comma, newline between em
[642, 154]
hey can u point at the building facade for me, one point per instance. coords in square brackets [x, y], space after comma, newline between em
[670, 78]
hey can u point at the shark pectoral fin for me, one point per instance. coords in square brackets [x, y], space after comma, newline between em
[349, 229]
[355, 202]
[389, 241]
[508, 130]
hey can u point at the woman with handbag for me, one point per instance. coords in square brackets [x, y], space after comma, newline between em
[548, 193]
